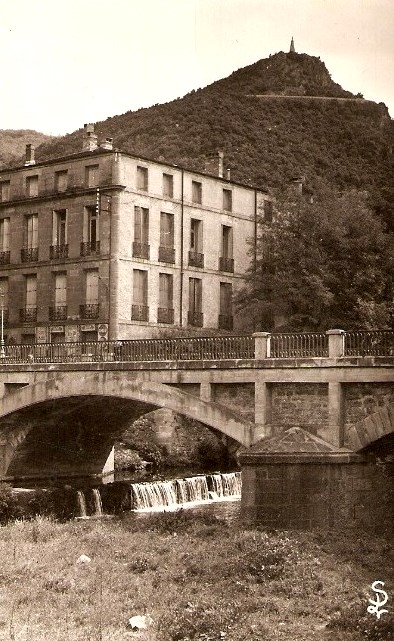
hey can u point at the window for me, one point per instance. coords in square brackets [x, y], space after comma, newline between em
[92, 175]
[141, 232]
[139, 308]
[196, 192]
[195, 316]
[4, 241]
[59, 311]
[59, 247]
[91, 242]
[168, 186]
[32, 186]
[61, 178]
[29, 313]
[4, 191]
[196, 256]
[142, 178]
[30, 243]
[91, 308]
[227, 200]
[225, 306]
[226, 261]
[165, 312]
[166, 248]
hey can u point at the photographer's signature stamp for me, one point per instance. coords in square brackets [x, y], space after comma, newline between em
[376, 606]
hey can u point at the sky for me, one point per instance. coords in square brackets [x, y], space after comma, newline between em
[77, 61]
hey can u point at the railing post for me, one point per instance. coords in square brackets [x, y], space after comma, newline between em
[336, 343]
[262, 345]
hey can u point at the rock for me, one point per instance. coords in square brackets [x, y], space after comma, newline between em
[84, 559]
[138, 623]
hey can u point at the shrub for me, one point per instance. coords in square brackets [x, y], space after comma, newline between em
[9, 508]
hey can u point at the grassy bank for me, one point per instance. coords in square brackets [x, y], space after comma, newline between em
[196, 577]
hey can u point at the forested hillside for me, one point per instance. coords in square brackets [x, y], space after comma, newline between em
[14, 141]
[272, 126]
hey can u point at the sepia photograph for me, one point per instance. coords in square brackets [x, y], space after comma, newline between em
[197, 320]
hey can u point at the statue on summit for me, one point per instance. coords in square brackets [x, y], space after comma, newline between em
[292, 48]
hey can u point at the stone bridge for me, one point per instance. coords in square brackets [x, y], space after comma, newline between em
[246, 388]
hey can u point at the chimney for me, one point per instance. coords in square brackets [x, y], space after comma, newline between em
[228, 174]
[89, 141]
[214, 163]
[30, 160]
[106, 143]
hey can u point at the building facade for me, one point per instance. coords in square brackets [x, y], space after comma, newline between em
[105, 245]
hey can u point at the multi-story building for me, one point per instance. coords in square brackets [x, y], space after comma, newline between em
[103, 244]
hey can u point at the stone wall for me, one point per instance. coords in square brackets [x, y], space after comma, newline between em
[311, 495]
[299, 404]
[238, 397]
[364, 399]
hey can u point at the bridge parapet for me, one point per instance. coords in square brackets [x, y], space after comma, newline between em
[334, 343]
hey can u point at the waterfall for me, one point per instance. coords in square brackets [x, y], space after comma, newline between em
[98, 506]
[185, 492]
[83, 513]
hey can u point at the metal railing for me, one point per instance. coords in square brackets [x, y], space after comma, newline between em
[57, 313]
[141, 250]
[299, 345]
[196, 259]
[166, 254]
[231, 347]
[160, 349]
[58, 251]
[226, 264]
[369, 343]
[4, 257]
[90, 247]
[89, 310]
[29, 254]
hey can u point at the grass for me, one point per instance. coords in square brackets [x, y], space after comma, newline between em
[195, 577]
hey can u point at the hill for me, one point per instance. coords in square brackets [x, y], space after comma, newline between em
[14, 141]
[276, 119]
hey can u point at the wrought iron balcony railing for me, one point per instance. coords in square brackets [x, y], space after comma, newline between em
[29, 254]
[90, 247]
[140, 312]
[5, 258]
[165, 315]
[226, 321]
[140, 250]
[226, 264]
[58, 251]
[28, 314]
[166, 254]
[58, 313]
[89, 310]
[196, 259]
[195, 319]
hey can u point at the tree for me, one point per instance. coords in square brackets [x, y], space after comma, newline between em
[321, 263]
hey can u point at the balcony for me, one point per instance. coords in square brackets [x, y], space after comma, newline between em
[140, 312]
[140, 250]
[226, 321]
[29, 254]
[89, 310]
[226, 264]
[165, 315]
[5, 258]
[90, 248]
[166, 254]
[195, 319]
[58, 313]
[196, 259]
[28, 315]
[58, 251]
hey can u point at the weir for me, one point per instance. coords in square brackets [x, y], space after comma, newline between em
[186, 492]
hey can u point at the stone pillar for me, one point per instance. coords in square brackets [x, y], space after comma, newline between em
[262, 345]
[334, 431]
[262, 409]
[336, 343]
[205, 391]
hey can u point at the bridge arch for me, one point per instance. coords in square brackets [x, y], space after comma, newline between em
[66, 385]
[372, 428]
